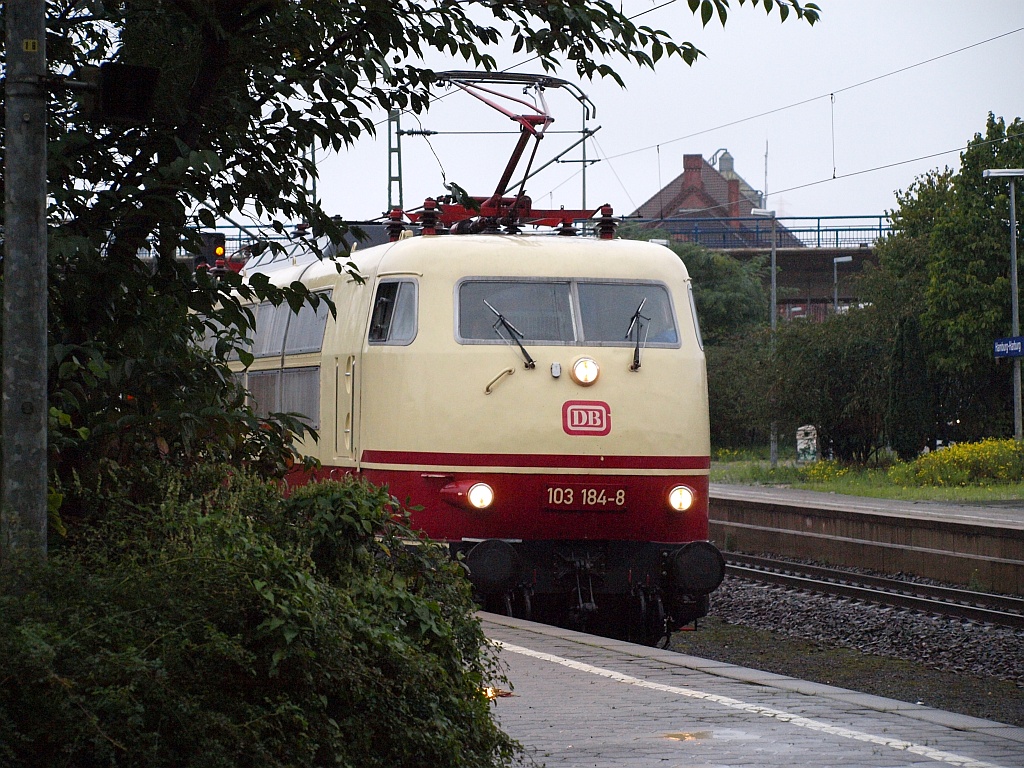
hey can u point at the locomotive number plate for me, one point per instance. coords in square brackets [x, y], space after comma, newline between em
[583, 497]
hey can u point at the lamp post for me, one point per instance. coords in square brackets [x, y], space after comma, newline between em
[774, 313]
[835, 279]
[1012, 174]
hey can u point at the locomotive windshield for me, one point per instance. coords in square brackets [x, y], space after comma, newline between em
[572, 311]
[608, 309]
[539, 310]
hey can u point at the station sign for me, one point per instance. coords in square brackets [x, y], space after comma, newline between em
[1011, 346]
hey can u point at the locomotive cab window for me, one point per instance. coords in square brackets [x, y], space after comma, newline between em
[535, 310]
[393, 320]
[615, 312]
[693, 311]
[591, 312]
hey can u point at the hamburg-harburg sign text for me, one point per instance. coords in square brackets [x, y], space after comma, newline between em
[1012, 346]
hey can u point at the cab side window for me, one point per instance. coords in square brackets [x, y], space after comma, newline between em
[393, 320]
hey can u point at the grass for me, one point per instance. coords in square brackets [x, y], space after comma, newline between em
[853, 481]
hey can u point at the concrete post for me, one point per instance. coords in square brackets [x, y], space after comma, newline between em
[23, 498]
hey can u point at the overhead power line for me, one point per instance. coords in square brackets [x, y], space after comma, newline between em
[828, 95]
[867, 170]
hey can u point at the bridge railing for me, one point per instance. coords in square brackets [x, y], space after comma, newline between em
[720, 234]
[791, 231]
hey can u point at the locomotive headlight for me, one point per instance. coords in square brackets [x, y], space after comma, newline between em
[585, 371]
[481, 495]
[680, 498]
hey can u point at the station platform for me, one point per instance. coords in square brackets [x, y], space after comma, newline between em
[1003, 514]
[975, 545]
[579, 700]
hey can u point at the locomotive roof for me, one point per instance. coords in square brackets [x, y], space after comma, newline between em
[492, 255]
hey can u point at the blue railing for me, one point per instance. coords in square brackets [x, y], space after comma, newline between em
[791, 231]
[721, 234]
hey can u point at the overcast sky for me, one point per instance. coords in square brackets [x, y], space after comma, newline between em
[821, 155]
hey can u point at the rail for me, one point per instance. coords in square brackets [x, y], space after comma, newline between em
[947, 601]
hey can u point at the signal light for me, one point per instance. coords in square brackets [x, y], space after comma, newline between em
[116, 93]
[212, 249]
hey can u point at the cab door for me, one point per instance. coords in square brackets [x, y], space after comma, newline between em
[351, 298]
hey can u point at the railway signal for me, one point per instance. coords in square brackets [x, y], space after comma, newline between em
[213, 248]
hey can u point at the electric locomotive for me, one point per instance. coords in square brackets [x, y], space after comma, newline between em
[540, 400]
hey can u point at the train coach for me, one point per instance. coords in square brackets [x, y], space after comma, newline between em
[540, 400]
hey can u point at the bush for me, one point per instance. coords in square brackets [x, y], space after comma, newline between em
[824, 471]
[987, 462]
[230, 626]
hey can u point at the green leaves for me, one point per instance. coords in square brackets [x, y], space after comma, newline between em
[943, 281]
[810, 12]
[186, 621]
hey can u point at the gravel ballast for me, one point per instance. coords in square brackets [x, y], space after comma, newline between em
[949, 664]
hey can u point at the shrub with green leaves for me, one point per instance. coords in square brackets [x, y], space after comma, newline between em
[824, 471]
[989, 462]
[216, 623]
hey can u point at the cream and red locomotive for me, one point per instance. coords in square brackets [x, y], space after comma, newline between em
[540, 400]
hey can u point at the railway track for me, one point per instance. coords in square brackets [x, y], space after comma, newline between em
[945, 601]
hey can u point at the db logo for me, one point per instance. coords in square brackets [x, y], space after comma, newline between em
[586, 417]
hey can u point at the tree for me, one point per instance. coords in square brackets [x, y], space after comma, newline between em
[947, 263]
[740, 385]
[910, 410]
[247, 88]
[834, 375]
[729, 293]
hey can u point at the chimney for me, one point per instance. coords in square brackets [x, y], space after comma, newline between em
[693, 165]
[734, 201]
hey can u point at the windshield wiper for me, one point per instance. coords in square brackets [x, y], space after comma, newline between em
[513, 332]
[636, 322]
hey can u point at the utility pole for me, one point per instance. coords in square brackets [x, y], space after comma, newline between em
[773, 447]
[23, 499]
[395, 160]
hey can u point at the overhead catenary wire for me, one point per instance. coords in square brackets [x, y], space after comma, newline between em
[831, 96]
[864, 171]
[811, 99]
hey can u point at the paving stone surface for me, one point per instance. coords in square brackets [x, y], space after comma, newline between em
[580, 700]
